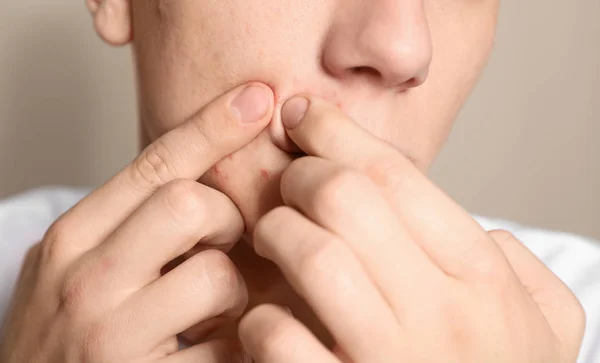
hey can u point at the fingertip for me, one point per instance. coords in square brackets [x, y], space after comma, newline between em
[253, 103]
[293, 111]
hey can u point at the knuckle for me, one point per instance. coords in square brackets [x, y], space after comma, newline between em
[222, 276]
[55, 240]
[151, 167]
[278, 338]
[277, 215]
[571, 307]
[496, 268]
[388, 172]
[334, 191]
[271, 225]
[317, 259]
[502, 236]
[274, 217]
[184, 201]
[493, 270]
[264, 223]
[32, 256]
[577, 312]
[72, 295]
[203, 130]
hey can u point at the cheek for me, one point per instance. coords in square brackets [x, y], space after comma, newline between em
[462, 36]
[181, 67]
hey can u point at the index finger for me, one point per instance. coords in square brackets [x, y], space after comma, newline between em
[222, 127]
[445, 231]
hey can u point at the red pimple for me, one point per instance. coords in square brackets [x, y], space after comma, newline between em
[219, 174]
[230, 157]
[106, 264]
[265, 174]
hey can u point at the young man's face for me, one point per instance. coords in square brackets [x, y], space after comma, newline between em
[400, 68]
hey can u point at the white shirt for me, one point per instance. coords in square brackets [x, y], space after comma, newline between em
[576, 260]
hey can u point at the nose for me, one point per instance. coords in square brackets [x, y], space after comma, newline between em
[386, 39]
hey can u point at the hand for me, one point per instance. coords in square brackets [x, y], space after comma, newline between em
[393, 267]
[92, 290]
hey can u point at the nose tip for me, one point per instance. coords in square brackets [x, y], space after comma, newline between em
[400, 64]
[388, 39]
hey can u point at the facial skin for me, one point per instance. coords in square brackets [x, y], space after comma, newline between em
[402, 69]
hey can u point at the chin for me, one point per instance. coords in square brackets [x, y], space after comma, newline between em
[250, 177]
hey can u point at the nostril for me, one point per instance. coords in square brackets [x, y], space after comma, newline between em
[413, 82]
[368, 71]
[373, 73]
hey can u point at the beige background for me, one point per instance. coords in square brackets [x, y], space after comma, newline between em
[527, 146]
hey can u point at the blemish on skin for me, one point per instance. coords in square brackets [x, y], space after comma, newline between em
[332, 95]
[265, 174]
[230, 157]
[218, 174]
[106, 264]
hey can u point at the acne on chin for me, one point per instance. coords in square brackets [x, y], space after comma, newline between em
[251, 179]
[221, 176]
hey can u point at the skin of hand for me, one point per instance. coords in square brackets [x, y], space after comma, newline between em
[92, 291]
[394, 268]
[401, 69]
[181, 67]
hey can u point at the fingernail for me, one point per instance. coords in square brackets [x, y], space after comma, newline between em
[251, 104]
[293, 112]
